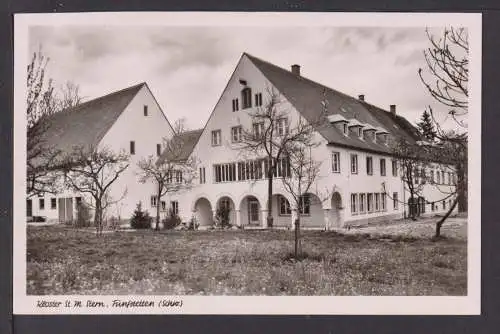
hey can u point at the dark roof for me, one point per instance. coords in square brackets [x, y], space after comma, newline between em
[184, 144]
[86, 124]
[307, 96]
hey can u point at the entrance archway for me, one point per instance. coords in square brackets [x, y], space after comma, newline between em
[203, 210]
[336, 210]
[227, 202]
[250, 211]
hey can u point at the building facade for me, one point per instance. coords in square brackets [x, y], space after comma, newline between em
[359, 180]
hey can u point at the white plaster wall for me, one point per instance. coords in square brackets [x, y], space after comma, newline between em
[146, 131]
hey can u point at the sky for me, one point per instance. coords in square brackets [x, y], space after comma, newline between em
[187, 68]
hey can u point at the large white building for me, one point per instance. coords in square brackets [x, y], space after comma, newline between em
[358, 181]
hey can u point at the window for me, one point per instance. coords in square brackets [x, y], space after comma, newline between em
[258, 129]
[236, 134]
[305, 204]
[246, 98]
[153, 201]
[283, 167]
[345, 129]
[395, 201]
[449, 178]
[382, 167]
[41, 203]
[383, 198]
[158, 149]
[442, 176]
[354, 164]
[216, 138]
[336, 162]
[422, 205]
[369, 202]
[53, 203]
[360, 132]
[438, 177]
[258, 99]
[132, 147]
[362, 199]
[285, 209]
[250, 170]
[369, 165]
[145, 110]
[163, 205]
[78, 201]
[236, 105]
[432, 176]
[444, 205]
[282, 127]
[202, 175]
[394, 168]
[174, 206]
[225, 172]
[377, 202]
[433, 207]
[354, 203]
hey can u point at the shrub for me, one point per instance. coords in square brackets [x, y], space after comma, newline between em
[222, 216]
[140, 219]
[82, 215]
[171, 221]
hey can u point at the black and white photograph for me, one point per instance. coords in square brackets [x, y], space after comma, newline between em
[319, 163]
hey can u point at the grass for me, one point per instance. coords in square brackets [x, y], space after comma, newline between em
[64, 261]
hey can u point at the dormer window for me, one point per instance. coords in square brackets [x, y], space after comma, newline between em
[360, 133]
[246, 98]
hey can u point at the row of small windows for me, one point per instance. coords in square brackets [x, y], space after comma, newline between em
[281, 129]
[369, 165]
[434, 177]
[132, 148]
[371, 202]
[246, 98]
[250, 170]
[53, 203]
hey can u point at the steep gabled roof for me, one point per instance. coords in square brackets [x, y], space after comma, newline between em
[185, 143]
[313, 99]
[86, 124]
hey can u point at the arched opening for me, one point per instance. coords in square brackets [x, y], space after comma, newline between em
[203, 212]
[281, 211]
[250, 211]
[336, 210]
[311, 212]
[225, 202]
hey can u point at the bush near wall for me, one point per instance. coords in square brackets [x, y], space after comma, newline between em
[171, 221]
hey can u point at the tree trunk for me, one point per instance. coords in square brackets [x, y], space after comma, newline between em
[158, 198]
[98, 216]
[441, 221]
[270, 194]
[297, 238]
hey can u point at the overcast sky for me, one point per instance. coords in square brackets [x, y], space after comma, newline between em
[187, 68]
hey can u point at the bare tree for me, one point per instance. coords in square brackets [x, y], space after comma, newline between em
[448, 65]
[446, 79]
[304, 171]
[173, 172]
[42, 101]
[412, 161]
[92, 171]
[269, 136]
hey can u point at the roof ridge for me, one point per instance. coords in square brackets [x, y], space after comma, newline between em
[83, 104]
[311, 81]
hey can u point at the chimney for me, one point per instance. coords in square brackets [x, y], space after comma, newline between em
[361, 97]
[296, 69]
[393, 109]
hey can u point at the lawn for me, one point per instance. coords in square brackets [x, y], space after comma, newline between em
[65, 261]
